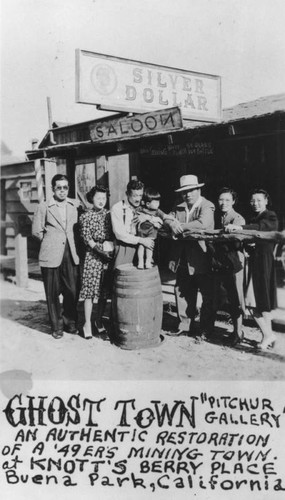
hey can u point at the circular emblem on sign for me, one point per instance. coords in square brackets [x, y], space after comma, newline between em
[104, 79]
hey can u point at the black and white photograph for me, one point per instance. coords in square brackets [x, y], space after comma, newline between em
[142, 241]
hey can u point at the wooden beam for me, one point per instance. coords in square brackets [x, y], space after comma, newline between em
[50, 169]
[21, 260]
[245, 234]
[218, 235]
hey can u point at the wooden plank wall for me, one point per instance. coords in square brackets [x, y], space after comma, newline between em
[18, 202]
[19, 206]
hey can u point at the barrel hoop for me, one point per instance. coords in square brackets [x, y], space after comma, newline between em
[136, 271]
[131, 324]
[132, 279]
[139, 294]
[137, 285]
[137, 345]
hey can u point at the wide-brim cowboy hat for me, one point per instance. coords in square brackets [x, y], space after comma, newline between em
[188, 182]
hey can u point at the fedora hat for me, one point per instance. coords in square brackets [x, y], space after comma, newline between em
[188, 182]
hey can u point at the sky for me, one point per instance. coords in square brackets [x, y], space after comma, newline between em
[243, 41]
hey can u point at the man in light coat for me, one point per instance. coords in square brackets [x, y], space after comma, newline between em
[190, 259]
[124, 222]
[55, 225]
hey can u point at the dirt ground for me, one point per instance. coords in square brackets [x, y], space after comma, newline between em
[27, 346]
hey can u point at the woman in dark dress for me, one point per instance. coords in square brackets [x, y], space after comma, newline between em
[262, 265]
[96, 232]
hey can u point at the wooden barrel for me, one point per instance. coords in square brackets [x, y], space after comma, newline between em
[136, 307]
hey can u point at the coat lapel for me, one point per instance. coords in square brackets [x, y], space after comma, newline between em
[183, 212]
[194, 214]
[55, 213]
[69, 209]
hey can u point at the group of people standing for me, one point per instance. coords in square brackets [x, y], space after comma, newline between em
[126, 235]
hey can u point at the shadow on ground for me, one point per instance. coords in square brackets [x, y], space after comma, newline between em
[33, 315]
[221, 336]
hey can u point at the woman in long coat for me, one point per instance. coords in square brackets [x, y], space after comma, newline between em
[262, 265]
[227, 264]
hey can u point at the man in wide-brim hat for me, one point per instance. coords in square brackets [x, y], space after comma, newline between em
[189, 259]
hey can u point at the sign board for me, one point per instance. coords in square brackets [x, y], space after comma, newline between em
[130, 127]
[117, 84]
[194, 149]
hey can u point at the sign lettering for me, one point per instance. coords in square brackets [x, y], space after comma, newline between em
[125, 85]
[129, 127]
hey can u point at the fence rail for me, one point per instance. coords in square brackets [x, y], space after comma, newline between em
[219, 235]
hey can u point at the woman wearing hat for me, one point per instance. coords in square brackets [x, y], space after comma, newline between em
[261, 265]
[190, 260]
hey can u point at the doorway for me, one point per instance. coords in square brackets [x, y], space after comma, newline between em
[162, 174]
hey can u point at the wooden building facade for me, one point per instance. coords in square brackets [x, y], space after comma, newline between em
[20, 191]
[246, 150]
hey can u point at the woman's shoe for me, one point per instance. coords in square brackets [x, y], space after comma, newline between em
[101, 330]
[86, 336]
[236, 338]
[267, 343]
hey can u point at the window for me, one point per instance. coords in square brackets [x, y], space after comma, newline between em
[25, 190]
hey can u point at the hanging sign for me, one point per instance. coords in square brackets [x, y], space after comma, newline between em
[130, 127]
[117, 84]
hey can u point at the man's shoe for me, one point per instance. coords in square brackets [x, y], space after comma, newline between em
[193, 330]
[71, 329]
[57, 334]
[236, 338]
[175, 334]
[201, 338]
[179, 331]
[238, 335]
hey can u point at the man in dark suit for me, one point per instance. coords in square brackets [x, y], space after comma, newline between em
[54, 225]
[190, 260]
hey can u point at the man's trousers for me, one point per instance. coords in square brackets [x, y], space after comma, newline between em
[186, 290]
[62, 280]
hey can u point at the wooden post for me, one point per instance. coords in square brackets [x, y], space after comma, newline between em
[50, 170]
[39, 180]
[21, 260]
[119, 176]
[3, 218]
[70, 172]
[49, 112]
